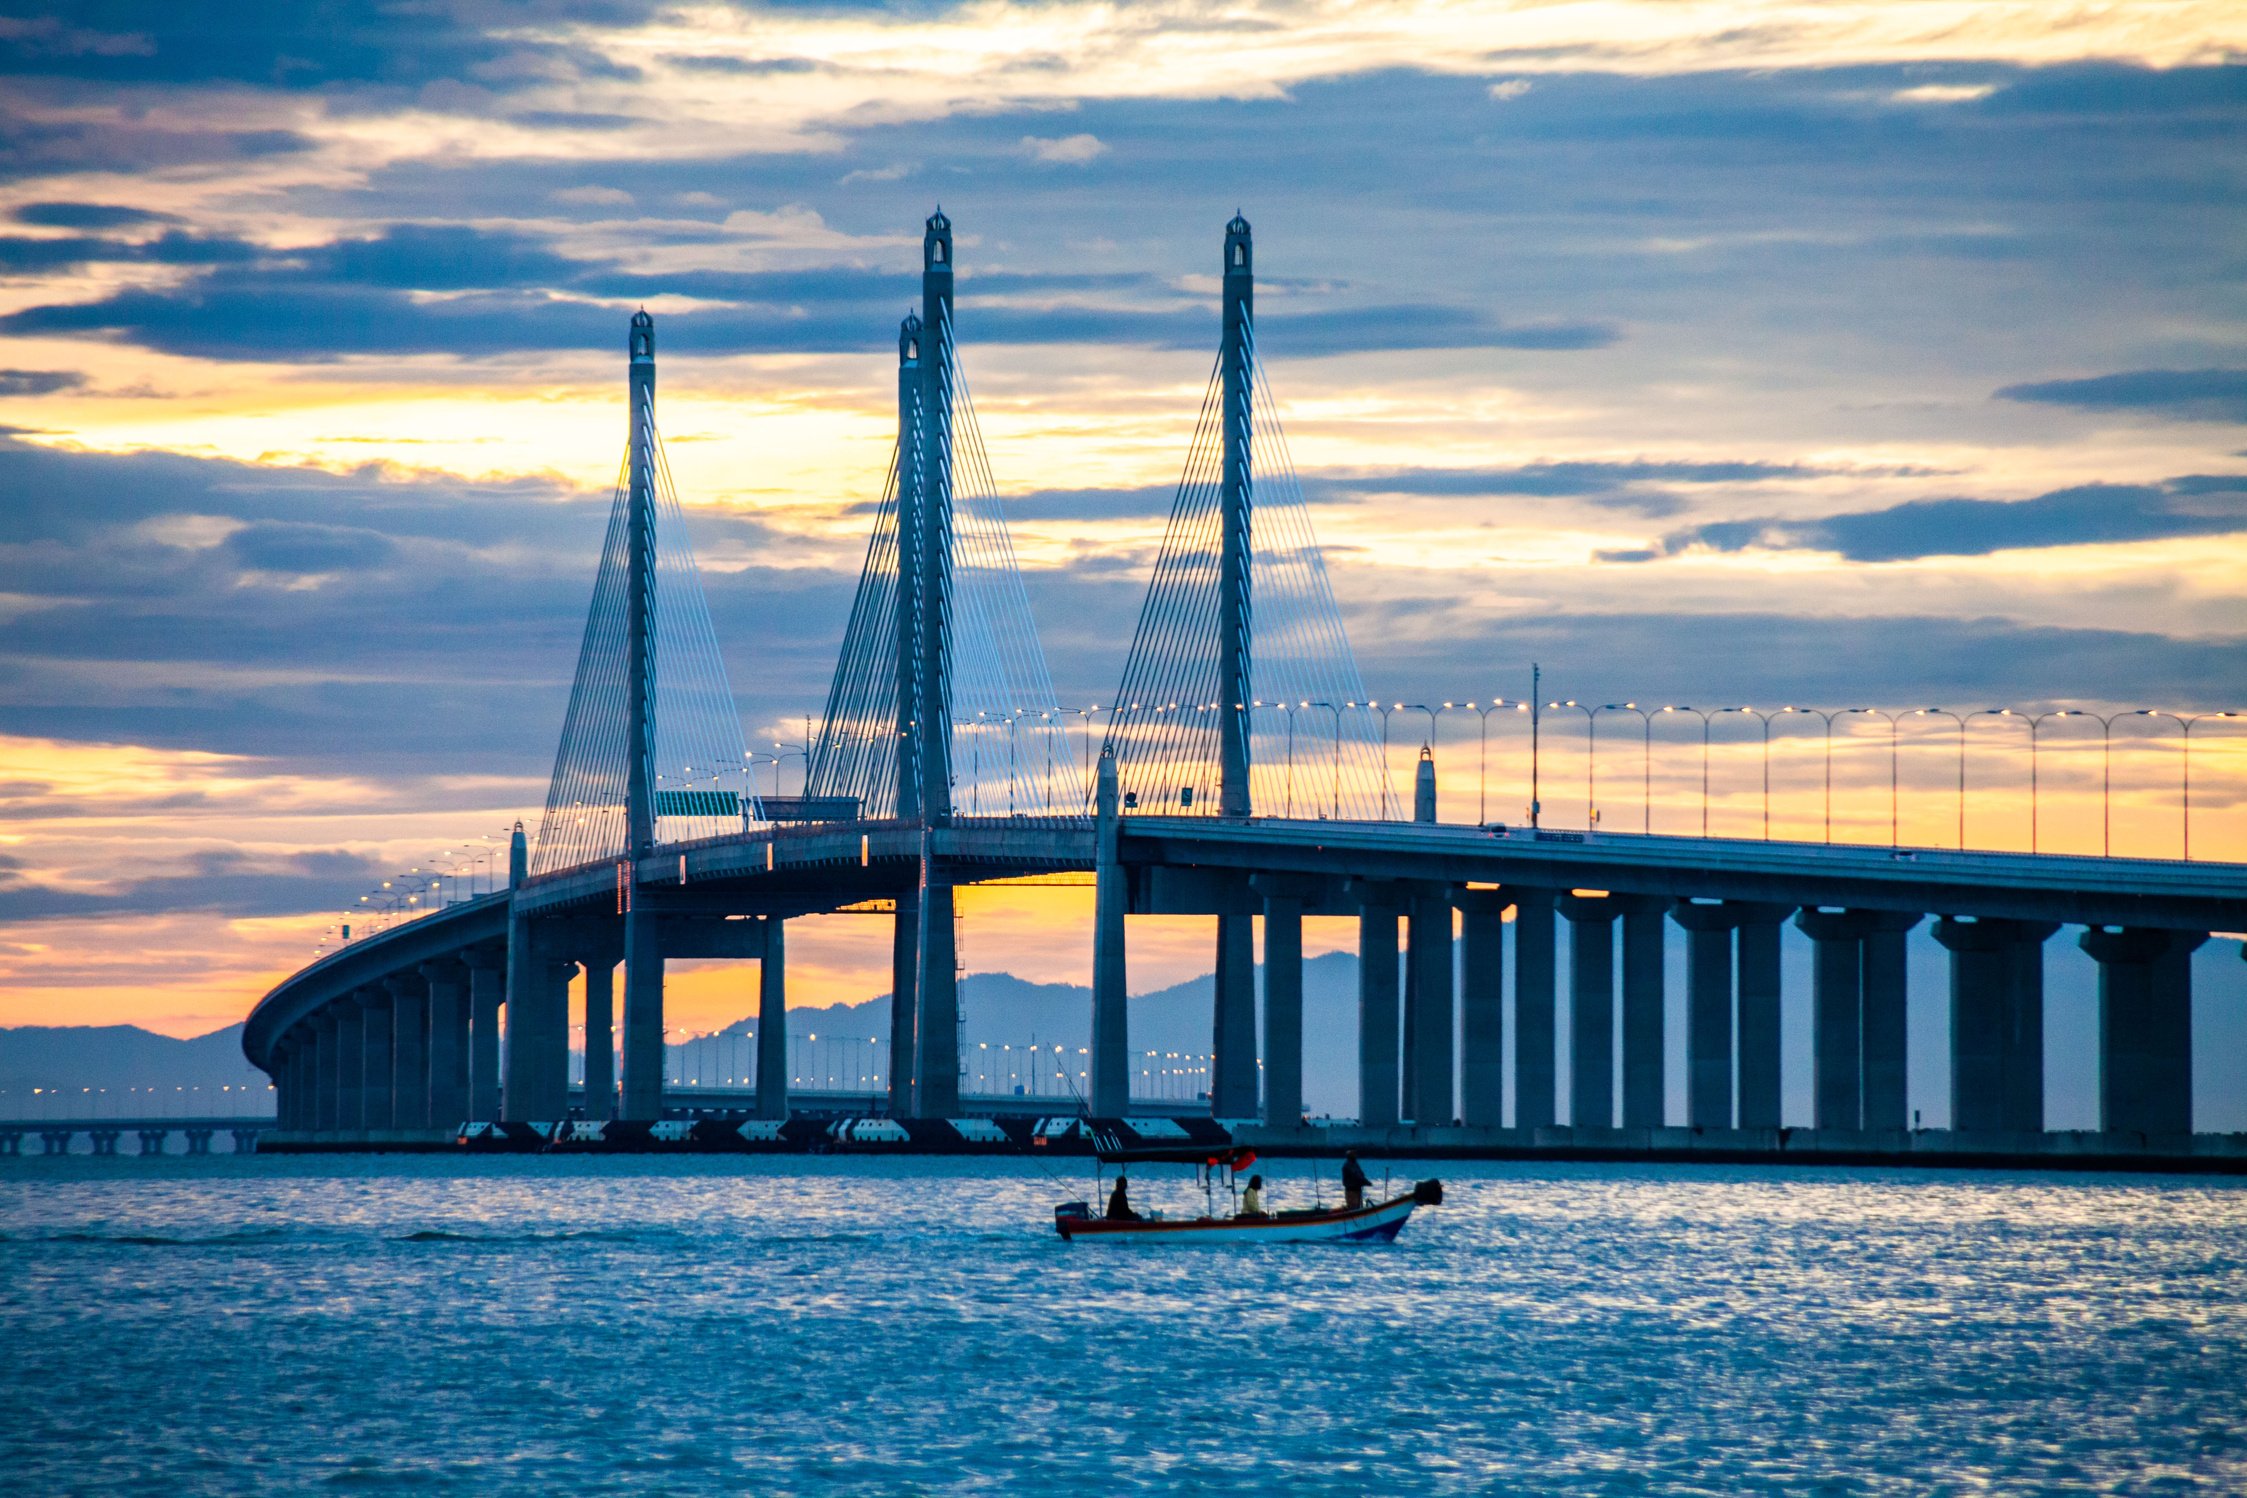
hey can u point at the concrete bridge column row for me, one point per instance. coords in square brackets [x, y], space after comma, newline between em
[1859, 1016]
[397, 1057]
[544, 955]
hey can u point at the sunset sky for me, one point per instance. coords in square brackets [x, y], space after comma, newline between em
[1725, 353]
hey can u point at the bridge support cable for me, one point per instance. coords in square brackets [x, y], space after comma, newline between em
[650, 702]
[1306, 729]
[1000, 747]
[941, 704]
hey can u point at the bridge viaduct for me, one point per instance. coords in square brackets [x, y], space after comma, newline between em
[462, 1014]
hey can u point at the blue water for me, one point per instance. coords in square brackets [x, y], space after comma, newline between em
[851, 1326]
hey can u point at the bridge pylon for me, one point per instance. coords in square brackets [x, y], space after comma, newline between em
[651, 753]
[1239, 638]
[941, 707]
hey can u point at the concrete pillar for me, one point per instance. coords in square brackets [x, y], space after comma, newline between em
[324, 1080]
[304, 1080]
[1424, 787]
[1591, 1010]
[409, 1056]
[772, 1022]
[904, 1005]
[1981, 996]
[1644, 1082]
[351, 1066]
[286, 1055]
[2024, 1039]
[600, 1034]
[2145, 1027]
[1482, 1014]
[1887, 1096]
[643, 1016]
[448, 1043]
[487, 989]
[379, 1052]
[1535, 1059]
[1377, 1016]
[538, 1011]
[936, 1031]
[1759, 1001]
[1428, 930]
[1837, 973]
[1283, 1012]
[1708, 1012]
[1232, 1042]
[1111, 1011]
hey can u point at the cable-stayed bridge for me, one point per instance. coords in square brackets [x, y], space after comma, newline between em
[942, 759]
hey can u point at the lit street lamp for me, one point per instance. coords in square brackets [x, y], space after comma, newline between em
[1704, 717]
[1645, 759]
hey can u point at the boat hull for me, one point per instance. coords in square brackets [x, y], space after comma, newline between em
[1379, 1223]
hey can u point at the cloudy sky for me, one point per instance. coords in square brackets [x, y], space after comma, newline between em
[1725, 353]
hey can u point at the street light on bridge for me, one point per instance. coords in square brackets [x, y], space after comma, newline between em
[1645, 759]
[1704, 717]
[1591, 759]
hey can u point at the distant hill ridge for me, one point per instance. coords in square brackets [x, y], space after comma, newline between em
[1000, 1009]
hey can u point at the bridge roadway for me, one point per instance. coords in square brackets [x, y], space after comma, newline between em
[398, 1034]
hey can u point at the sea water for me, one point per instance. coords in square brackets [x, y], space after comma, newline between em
[765, 1326]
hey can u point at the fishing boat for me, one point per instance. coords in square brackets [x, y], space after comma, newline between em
[1372, 1222]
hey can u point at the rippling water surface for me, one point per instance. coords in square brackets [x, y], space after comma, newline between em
[852, 1326]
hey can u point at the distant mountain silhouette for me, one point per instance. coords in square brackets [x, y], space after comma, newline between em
[998, 1009]
[124, 1058]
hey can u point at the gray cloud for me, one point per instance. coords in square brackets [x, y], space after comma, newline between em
[2086, 514]
[88, 216]
[38, 381]
[236, 883]
[1644, 486]
[2187, 394]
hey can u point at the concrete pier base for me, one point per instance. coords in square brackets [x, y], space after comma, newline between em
[409, 1060]
[772, 1023]
[379, 1056]
[936, 1029]
[904, 1000]
[1111, 1006]
[1837, 975]
[1886, 1021]
[1283, 1012]
[1591, 1009]
[1482, 1013]
[1379, 1104]
[2145, 1028]
[1428, 931]
[1759, 985]
[1232, 1042]
[600, 1035]
[1644, 1002]
[643, 1024]
[487, 990]
[1997, 1023]
[1535, 1057]
[448, 1043]
[1708, 1012]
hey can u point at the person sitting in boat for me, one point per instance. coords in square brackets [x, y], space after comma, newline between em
[1119, 1203]
[1354, 1182]
[1252, 1200]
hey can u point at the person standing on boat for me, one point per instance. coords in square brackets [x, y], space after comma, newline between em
[1354, 1181]
[1252, 1201]
[1119, 1203]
